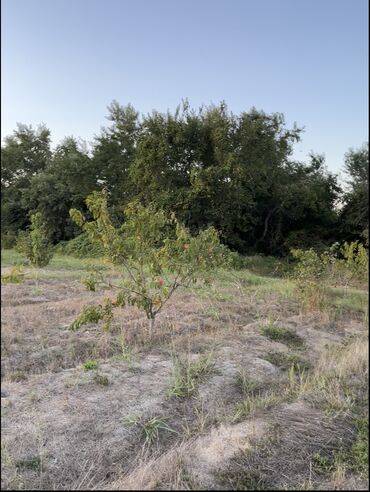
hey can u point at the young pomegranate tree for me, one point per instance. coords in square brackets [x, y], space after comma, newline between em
[154, 253]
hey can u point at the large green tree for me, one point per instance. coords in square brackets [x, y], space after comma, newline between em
[355, 213]
[211, 167]
[24, 154]
[113, 153]
[64, 183]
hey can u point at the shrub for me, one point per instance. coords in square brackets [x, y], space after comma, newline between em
[309, 273]
[34, 244]
[283, 335]
[8, 240]
[355, 260]
[15, 276]
[156, 255]
[339, 264]
[187, 375]
[81, 247]
[90, 364]
[151, 427]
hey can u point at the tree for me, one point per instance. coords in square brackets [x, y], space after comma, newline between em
[156, 254]
[65, 182]
[114, 151]
[24, 154]
[355, 212]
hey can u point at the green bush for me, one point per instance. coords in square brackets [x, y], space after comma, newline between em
[8, 240]
[355, 260]
[15, 276]
[237, 261]
[35, 244]
[339, 264]
[80, 247]
[310, 273]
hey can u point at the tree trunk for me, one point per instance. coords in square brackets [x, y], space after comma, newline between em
[151, 325]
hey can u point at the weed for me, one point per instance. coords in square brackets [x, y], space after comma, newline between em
[17, 376]
[151, 427]
[90, 364]
[285, 360]
[125, 351]
[288, 337]
[213, 313]
[15, 276]
[246, 386]
[357, 455]
[254, 403]
[14, 480]
[201, 421]
[187, 375]
[297, 379]
[33, 463]
[353, 459]
[101, 379]
[243, 480]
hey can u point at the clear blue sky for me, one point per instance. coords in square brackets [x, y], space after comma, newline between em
[64, 61]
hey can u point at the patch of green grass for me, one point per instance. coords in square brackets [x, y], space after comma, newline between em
[10, 257]
[357, 456]
[350, 300]
[151, 427]
[286, 360]
[242, 480]
[213, 313]
[33, 463]
[245, 384]
[90, 364]
[187, 375]
[68, 264]
[353, 459]
[17, 376]
[256, 402]
[283, 335]
[101, 379]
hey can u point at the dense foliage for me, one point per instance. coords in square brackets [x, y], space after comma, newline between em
[155, 252]
[210, 167]
[34, 244]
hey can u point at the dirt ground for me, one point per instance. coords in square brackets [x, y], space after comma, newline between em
[66, 428]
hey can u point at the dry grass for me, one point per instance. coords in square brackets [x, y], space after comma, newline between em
[55, 413]
[163, 472]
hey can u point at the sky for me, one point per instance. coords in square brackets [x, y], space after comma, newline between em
[64, 61]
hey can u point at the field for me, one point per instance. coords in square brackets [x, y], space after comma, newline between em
[238, 388]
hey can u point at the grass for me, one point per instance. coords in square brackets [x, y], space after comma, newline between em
[33, 463]
[90, 364]
[257, 402]
[283, 335]
[15, 276]
[286, 360]
[245, 384]
[333, 388]
[151, 428]
[17, 376]
[349, 300]
[357, 456]
[242, 480]
[60, 266]
[354, 459]
[187, 375]
[101, 379]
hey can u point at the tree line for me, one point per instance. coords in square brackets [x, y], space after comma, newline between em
[209, 166]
